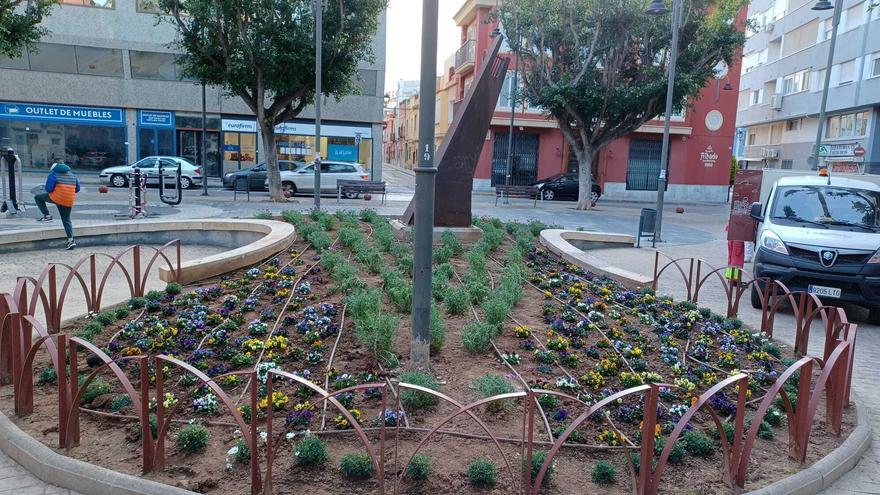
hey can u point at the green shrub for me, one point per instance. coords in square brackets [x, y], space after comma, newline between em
[449, 240]
[490, 385]
[122, 313]
[438, 330]
[456, 301]
[604, 473]
[698, 444]
[676, 455]
[120, 403]
[401, 296]
[496, 310]
[477, 290]
[95, 389]
[137, 302]
[356, 465]
[443, 254]
[477, 337]
[105, 318]
[242, 453]
[310, 451]
[47, 376]
[772, 349]
[192, 438]
[476, 259]
[263, 215]
[173, 288]
[773, 417]
[413, 399]
[538, 459]
[155, 295]
[319, 240]
[729, 429]
[482, 473]
[294, 217]
[765, 431]
[154, 425]
[419, 467]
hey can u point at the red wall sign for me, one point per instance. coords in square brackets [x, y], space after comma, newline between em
[746, 190]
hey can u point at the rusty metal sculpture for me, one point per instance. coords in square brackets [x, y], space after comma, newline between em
[461, 148]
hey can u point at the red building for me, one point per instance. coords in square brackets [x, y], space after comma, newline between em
[701, 139]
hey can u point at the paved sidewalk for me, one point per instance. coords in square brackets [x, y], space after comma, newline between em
[16, 480]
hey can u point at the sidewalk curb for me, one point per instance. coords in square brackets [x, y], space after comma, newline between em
[73, 474]
[821, 475]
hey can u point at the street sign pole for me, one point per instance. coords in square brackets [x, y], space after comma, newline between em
[833, 42]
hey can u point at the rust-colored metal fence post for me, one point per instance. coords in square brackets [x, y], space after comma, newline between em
[73, 418]
[656, 266]
[381, 473]
[24, 391]
[156, 445]
[63, 390]
[850, 334]
[646, 450]
[527, 462]
[800, 413]
[7, 306]
[738, 427]
[10, 327]
[256, 485]
[270, 450]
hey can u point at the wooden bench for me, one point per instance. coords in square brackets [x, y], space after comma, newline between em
[359, 187]
[528, 192]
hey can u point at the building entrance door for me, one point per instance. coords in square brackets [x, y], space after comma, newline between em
[523, 160]
[189, 146]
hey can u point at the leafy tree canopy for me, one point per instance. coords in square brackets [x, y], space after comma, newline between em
[19, 24]
[599, 66]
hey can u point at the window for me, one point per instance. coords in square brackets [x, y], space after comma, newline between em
[506, 97]
[52, 57]
[99, 61]
[148, 7]
[154, 65]
[874, 68]
[847, 126]
[101, 4]
[756, 98]
[855, 15]
[787, 164]
[437, 110]
[846, 72]
[450, 110]
[793, 125]
[797, 82]
[825, 28]
[776, 133]
[799, 38]
[751, 139]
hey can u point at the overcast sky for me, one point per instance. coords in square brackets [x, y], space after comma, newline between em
[403, 45]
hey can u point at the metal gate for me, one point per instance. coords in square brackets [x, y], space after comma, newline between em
[644, 164]
[523, 160]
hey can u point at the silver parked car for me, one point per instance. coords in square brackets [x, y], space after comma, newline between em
[303, 180]
[190, 174]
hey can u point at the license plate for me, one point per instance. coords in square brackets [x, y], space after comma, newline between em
[823, 291]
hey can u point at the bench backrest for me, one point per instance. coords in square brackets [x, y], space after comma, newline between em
[516, 190]
[361, 185]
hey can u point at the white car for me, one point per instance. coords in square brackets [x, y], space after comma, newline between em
[190, 174]
[303, 180]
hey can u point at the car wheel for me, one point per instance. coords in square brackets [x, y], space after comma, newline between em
[549, 194]
[755, 298]
[185, 182]
[289, 186]
[594, 197]
[351, 195]
[118, 180]
[874, 316]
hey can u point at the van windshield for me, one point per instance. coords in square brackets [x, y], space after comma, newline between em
[828, 207]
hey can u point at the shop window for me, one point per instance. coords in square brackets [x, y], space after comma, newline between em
[194, 121]
[52, 57]
[367, 81]
[99, 61]
[101, 4]
[155, 65]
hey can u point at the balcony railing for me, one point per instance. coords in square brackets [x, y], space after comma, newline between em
[465, 55]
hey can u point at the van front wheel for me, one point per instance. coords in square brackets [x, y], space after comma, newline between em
[755, 298]
[874, 316]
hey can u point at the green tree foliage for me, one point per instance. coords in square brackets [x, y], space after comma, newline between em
[598, 67]
[264, 52]
[20, 24]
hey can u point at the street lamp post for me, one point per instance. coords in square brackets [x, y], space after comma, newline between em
[204, 142]
[514, 88]
[424, 198]
[658, 8]
[319, 42]
[826, 5]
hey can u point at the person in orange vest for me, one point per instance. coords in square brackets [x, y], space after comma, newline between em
[61, 188]
[736, 253]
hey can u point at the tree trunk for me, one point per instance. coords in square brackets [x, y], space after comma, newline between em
[585, 177]
[270, 154]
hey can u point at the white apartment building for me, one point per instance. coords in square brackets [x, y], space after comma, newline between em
[783, 71]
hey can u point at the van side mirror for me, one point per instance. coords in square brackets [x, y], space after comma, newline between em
[756, 212]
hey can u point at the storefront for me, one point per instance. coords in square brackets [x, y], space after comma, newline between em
[240, 144]
[189, 140]
[87, 138]
[155, 134]
[296, 141]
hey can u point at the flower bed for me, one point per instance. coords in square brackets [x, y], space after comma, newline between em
[334, 310]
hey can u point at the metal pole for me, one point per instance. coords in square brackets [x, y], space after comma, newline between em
[515, 86]
[424, 214]
[670, 85]
[204, 143]
[319, 42]
[821, 127]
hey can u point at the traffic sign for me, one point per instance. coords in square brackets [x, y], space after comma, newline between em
[824, 150]
[858, 150]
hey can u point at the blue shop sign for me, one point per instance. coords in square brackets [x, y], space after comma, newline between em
[62, 114]
[150, 118]
[342, 153]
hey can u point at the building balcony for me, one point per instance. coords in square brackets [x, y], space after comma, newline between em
[465, 56]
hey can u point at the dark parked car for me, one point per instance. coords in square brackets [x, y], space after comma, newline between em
[565, 186]
[256, 175]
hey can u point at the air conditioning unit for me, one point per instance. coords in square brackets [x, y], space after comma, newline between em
[770, 153]
[768, 27]
[776, 102]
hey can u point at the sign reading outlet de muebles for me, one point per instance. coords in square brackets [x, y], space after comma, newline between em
[62, 113]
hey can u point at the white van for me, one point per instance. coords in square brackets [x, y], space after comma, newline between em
[821, 236]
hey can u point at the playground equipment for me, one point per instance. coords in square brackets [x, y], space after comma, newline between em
[11, 194]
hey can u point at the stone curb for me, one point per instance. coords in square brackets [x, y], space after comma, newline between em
[821, 475]
[73, 474]
[557, 241]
